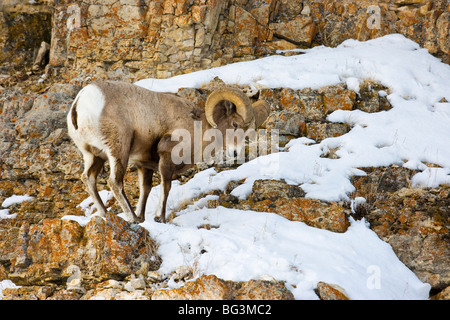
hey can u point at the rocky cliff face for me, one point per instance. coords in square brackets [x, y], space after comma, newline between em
[39, 250]
[54, 258]
[134, 39]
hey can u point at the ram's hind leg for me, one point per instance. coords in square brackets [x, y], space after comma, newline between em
[92, 167]
[118, 169]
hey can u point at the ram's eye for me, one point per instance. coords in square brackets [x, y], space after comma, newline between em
[235, 125]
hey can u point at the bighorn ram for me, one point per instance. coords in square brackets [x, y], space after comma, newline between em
[124, 123]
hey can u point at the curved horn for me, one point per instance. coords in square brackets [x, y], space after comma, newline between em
[236, 96]
[261, 110]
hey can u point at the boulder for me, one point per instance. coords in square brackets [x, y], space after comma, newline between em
[207, 287]
[262, 290]
[53, 250]
[413, 221]
[288, 201]
[286, 122]
[331, 292]
[443, 295]
[273, 190]
[210, 287]
[323, 215]
[337, 97]
[319, 131]
[299, 30]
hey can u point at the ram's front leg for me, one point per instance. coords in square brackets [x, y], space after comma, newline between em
[166, 168]
[145, 185]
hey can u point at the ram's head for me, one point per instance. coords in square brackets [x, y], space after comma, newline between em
[230, 108]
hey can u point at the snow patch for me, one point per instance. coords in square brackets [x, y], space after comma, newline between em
[4, 284]
[353, 84]
[87, 205]
[243, 245]
[15, 199]
[431, 177]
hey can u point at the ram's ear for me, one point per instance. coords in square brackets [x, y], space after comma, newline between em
[261, 111]
[229, 107]
[197, 113]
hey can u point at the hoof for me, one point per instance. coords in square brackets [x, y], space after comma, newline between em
[160, 219]
[139, 219]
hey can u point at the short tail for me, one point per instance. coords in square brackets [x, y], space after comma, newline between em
[74, 115]
[73, 111]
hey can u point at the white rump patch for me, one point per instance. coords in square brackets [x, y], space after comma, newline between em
[90, 105]
[90, 102]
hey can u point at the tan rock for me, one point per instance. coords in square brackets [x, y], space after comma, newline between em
[287, 201]
[245, 28]
[337, 98]
[273, 190]
[321, 131]
[330, 216]
[198, 13]
[331, 292]
[300, 30]
[443, 295]
[408, 16]
[28, 293]
[287, 122]
[306, 102]
[86, 33]
[210, 287]
[102, 249]
[282, 45]
[261, 15]
[410, 2]
[263, 290]
[207, 287]
[443, 27]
